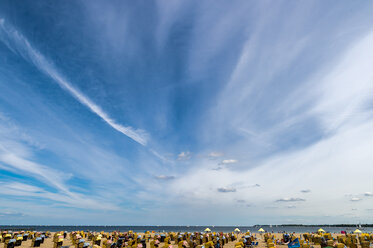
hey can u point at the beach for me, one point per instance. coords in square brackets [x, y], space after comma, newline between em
[256, 237]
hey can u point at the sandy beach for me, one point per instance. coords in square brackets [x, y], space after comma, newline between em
[260, 238]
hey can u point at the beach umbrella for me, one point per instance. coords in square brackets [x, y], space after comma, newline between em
[321, 230]
[357, 231]
[237, 230]
[207, 230]
[261, 230]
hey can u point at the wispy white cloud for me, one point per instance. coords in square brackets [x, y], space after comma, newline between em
[184, 156]
[290, 172]
[11, 214]
[18, 156]
[254, 185]
[48, 175]
[226, 190]
[355, 199]
[344, 92]
[164, 177]
[229, 161]
[17, 42]
[70, 200]
[214, 155]
[290, 199]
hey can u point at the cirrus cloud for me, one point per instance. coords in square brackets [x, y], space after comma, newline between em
[226, 190]
[164, 177]
[286, 199]
[229, 161]
[355, 199]
[183, 156]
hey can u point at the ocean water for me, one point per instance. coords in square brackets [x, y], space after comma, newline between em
[296, 229]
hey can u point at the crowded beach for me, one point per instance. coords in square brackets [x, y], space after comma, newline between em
[206, 239]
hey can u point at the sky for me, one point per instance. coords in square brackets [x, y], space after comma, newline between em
[186, 112]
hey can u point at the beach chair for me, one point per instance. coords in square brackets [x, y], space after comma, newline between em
[239, 245]
[166, 241]
[330, 243]
[7, 237]
[340, 245]
[120, 242]
[58, 243]
[97, 240]
[180, 244]
[42, 238]
[36, 242]
[209, 244]
[19, 240]
[365, 244]
[351, 244]
[80, 243]
[163, 237]
[10, 243]
[25, 237]
[104, 243]
[190, 243]
[152, 244]
[198, 241]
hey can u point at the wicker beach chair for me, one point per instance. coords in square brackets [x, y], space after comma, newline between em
[36, 242]
[10, 243]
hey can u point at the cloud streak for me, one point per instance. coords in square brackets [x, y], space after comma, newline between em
[17, 42]
[164, 177]
[229, 161]
[20, 159]
[70, 200]
[290, 200]
[355, 199]
[215, 155]
[183, 156]
[226, 190]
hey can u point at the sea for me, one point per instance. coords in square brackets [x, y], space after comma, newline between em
[253, 229]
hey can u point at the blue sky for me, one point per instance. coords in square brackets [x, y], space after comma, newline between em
[186, 112]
